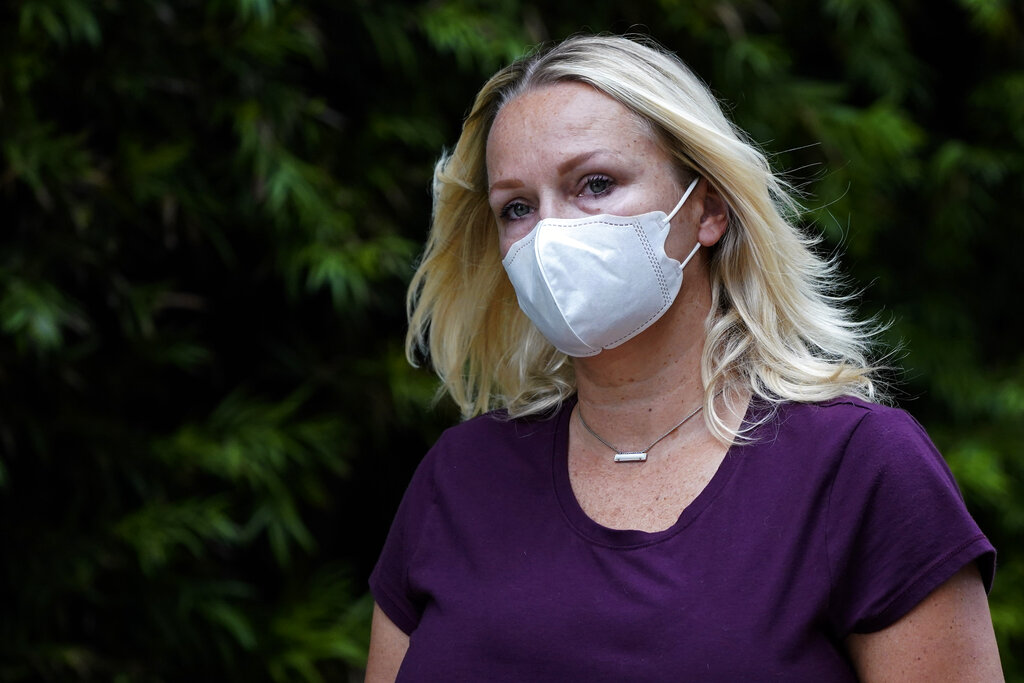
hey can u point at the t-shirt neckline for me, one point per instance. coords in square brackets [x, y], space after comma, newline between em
[599, 534]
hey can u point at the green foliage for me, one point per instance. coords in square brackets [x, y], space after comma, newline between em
[209, 213]
[184, 263]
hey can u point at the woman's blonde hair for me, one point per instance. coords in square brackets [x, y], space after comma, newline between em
[777, 328]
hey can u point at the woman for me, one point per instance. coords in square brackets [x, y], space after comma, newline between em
[687, 476]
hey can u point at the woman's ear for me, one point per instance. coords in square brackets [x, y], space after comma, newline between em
[714, 217]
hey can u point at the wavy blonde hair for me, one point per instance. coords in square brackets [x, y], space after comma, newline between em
[776, 328]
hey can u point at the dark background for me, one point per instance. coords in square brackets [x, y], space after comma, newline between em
[209, 211]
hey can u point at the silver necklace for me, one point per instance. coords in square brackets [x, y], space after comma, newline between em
[634, 456]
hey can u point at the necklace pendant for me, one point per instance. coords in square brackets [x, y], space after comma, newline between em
[631, 457]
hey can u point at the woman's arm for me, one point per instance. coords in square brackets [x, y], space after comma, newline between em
[387, 648]
[947, 637]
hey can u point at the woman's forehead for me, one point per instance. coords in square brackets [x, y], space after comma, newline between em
[570, 106]
[563, 119]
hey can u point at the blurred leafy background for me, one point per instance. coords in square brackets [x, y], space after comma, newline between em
[208, 214]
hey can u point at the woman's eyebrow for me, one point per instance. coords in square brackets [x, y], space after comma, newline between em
[578, 159]
[561, 169]
[507, 184]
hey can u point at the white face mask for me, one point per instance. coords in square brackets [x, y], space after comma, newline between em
[596, 282]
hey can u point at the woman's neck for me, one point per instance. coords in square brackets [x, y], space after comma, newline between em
[651, 381]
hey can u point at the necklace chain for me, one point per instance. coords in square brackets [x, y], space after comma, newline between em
[634, 456]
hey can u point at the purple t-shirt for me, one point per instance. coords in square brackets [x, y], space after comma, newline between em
[839, 518]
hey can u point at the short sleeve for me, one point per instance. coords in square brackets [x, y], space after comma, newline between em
[897, 524]
[389, 581]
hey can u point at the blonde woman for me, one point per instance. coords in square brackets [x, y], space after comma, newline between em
[675, 467]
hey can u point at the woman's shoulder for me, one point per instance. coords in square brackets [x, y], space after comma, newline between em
[495, 441]
[868, 436]
[498, 427]
[845, 413]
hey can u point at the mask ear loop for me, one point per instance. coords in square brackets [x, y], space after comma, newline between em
[686, 195]
[687, 259]
[668, 220]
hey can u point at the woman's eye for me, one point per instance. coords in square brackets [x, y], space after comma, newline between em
[597, 185]
[514, 211]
